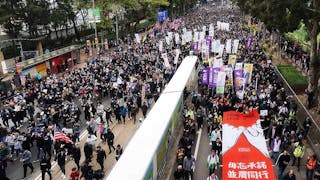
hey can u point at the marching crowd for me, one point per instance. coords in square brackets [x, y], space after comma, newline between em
[266, 92]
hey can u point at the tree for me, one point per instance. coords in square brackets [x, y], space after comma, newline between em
[35, 13]
[10, 16]
[285, 16]
[65, 7]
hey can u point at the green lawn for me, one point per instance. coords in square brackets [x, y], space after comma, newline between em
[292, 75]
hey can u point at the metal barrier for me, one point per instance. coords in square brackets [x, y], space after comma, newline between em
[302, 114]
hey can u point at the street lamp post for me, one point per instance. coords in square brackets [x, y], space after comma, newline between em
[117, 29]
[120, 12]
[95, 23]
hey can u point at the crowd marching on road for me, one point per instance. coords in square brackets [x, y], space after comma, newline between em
[57, 108]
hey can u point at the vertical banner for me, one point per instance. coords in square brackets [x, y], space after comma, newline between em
[215, 72]
[177, 38]
[232, 60]
[247, 72]
[244, 151]
[221, 81]
[202, 36]
[216, 46]
[196, 36]
[239, 81]
[160, 45]
[235, 46]
[228, 46]
[195, 47]
[168, 42]
[221, 49]
[166, 61]
[229, 76]
[138, 39]
[211, 30]
[188, 36]
[249, 41]
[205, 75]
[210, 78]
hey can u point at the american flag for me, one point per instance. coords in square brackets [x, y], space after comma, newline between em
[58, 136]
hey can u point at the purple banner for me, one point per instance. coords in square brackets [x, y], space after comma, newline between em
[238, 74]
[210, 77]
[205, 76]
[208, 41]
[249, 41]
[195, 47]
[215, 75]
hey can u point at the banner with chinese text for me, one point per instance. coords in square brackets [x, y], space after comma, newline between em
[245, 153]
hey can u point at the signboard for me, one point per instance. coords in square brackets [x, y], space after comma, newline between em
[162, 15]
[94, 15]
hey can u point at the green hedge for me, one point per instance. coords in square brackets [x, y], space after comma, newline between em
[292, 75]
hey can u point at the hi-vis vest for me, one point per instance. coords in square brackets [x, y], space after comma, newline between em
[219, 119]
[191, 114]
[291, 114]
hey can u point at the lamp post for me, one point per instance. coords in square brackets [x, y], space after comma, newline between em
[95, 23]
[119, 12]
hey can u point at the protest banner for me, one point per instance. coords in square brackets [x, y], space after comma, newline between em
[247, 72]
[166, 61]
[205, 75]
[228, 46]
[221, 80]
[244, 151]
[232, 60]
[235, 46]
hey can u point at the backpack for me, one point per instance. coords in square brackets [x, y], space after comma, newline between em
[298, 151]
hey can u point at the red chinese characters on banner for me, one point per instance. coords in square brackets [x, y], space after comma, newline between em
[245, 154]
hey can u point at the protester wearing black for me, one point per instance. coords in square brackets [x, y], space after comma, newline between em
[61, 160]
[88, 150]
[110, 138]
[45, 167]
[289, 176]
[86, 170]
[76, 154]
[101, 156]
[282, 162]
[119, 152]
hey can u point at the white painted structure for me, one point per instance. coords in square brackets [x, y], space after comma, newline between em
[140, 158]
